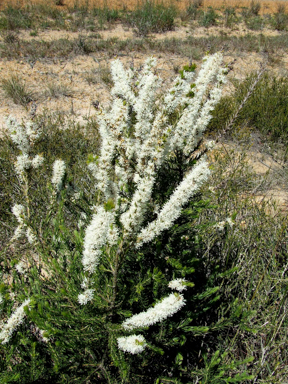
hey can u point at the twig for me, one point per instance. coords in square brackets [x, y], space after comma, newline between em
[230, 123]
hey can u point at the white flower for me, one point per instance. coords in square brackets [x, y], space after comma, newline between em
[230, 222]
[122, 81]
[220, 225]
[195, 117]
[30, 236]
[85, 283]
[210, 144]
[22, 163]
[19, 231]
[58, 173]
[134, 216]
[1, 299]
[177, 284]
[83, 298]
[45, 339]
[95, 237]
[20, 267]
[113, 235]
[37, 161]
[33, 131]
[13, 322]
[133, 344]
[18, 134]
[19, 211]
[76, 196]
[167, 307]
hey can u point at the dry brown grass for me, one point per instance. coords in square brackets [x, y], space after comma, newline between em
[269, 6]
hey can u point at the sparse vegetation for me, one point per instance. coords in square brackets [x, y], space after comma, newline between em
[152, 17]
[230, 17]
[15, 88]
[280, 19]
[208, 18]
[192, 11]
[57, 90]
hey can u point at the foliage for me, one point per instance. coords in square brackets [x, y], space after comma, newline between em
[14, 19]
[209, 18]
[255, 7]
[255, 23]
[192, 10]
[152, 17]
[280, 19]
[266, 109]
[15, 89]
[230, 17]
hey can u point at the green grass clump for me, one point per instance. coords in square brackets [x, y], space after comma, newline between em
[255, 23]
[230, 17]
[152, 17]
[208, 18]
[192, 10]
[15, 18]
[15, 89]
[280, 18]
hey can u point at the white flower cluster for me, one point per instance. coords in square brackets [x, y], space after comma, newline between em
[22, 229]
[194, 119]
[88, 294]
[133, 344]
[151, 139]
[24, 136]
[20, 267]
[14, 321]
[221, 224]
[58, 174]
[167, 307]
[96, 235]
[172, 208]
[177, 284]
[133, 217]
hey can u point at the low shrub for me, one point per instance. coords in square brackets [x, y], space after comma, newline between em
[192, 11]
[255, 23]
[230, 17]
[280, 19]
[208, 18]
[15, 18]
[150, 16]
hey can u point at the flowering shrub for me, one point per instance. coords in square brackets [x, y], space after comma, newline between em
[86, 289]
